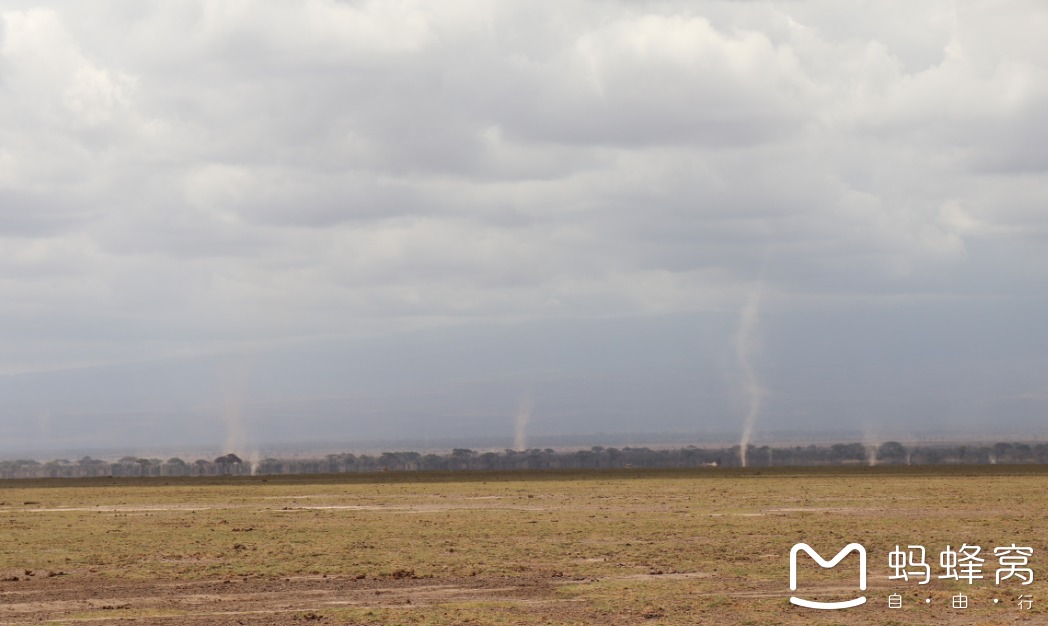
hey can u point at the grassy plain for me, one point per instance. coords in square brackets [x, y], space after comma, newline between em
[615, 547]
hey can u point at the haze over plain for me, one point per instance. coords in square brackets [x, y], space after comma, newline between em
[247, 222]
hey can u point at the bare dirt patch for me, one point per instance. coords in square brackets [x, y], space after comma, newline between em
[218, 601]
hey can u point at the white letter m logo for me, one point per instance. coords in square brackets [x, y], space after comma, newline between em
[847, 604]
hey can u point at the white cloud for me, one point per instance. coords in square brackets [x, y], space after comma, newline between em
[51, 80]
[271, 170]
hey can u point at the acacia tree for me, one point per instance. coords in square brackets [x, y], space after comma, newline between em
[891, 452]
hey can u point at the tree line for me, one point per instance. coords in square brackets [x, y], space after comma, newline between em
[595, 458]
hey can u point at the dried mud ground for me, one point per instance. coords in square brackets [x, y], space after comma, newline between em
[614, 547]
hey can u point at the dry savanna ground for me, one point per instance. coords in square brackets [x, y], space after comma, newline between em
[617, 547]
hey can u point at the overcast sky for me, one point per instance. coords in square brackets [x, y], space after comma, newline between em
[239, 222]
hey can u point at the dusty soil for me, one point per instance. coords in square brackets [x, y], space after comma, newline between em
[249, 600]
[312, 599]
[608, 549]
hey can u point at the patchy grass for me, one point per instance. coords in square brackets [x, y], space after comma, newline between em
[653, 547]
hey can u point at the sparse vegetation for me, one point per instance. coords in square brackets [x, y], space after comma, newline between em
[595, 458]
[613, 547]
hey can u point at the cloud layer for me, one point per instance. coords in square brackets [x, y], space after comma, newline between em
[196, 177]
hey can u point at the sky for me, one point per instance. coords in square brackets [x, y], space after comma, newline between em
[243, 222]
